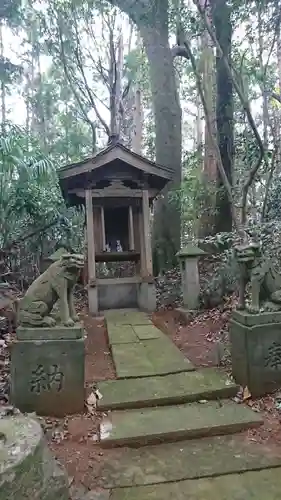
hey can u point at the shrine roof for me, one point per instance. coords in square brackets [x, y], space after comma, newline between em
[84, 172]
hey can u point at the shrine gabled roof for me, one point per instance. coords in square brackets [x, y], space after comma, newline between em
[108, 155]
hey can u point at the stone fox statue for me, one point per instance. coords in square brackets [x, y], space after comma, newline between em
[55, 284]
[264, 280]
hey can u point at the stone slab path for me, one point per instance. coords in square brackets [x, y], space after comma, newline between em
[144, 403]
[177, 388]
[264, 484]
[139, 349]
[170, 423]
[148, 358]
[198, 458]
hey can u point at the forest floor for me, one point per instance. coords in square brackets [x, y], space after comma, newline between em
[74, 440]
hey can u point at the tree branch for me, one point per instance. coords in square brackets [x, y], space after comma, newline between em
[179, 51]
[131, 6]
[75, 93]
[275, 96]
[213, 141]
[268, 183]
[80, 65]
[245, 106]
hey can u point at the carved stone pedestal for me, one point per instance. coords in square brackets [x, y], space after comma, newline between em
[256, 351]
[47, 370]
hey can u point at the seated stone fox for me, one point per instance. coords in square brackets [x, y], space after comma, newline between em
[54, 285]
[265, 281]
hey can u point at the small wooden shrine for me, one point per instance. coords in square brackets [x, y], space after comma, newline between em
[117, 188]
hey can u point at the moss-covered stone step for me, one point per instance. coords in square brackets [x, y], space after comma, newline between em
[127, 317]
[259, 485]
[126, 334]
[177, 388]
[206, 457]
[145, 332]
[148, 358]
[179, 422]
[121, 334]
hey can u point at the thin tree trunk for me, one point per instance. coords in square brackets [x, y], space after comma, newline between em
[224, 113]
[210, 173]
[151, 17]
[119, 78]
[265, 114]
[3, 88]
[137, 123]
[278, 110]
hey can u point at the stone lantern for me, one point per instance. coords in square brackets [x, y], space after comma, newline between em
[188, 258]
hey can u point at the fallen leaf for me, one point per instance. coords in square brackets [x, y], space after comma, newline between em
[92, 400]
[246, 394]
[98, 394]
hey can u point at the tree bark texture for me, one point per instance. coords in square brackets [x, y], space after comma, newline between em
[224, 111]
[210, 170]
[151, 19]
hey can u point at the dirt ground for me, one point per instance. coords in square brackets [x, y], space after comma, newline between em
[74, 440]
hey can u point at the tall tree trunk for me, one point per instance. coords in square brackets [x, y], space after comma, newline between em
[278, 110]
[3, 88]
[137, 123]
[167, 111]
[210, 171]
[224, 111]
[137, 128]
[265, 114]
[151, 18]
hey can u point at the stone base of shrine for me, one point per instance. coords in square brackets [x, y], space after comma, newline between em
[147, 297]
[47, 371]
[93, 300]
[256, 351]
[122, 293]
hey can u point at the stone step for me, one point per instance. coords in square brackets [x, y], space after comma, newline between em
[127, 334]
[198, 458]
[174, 423]
[126, 317]
[177, 388]
[260, 485]
[148, 358]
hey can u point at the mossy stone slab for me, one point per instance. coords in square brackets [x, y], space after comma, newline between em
[121, 334]
[171, 423]
[127, 317]
[206, 457]
[177, 388]
[259, 485]
[146, 332]
[148, 358]
[166, 357]
[130, 360]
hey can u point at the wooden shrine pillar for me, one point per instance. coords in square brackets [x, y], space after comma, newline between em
[90, 236]
[131, 230]
[103, 238]
[92, 285]
[146, 233]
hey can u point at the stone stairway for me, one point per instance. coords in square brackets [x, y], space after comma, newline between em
[177, 424]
